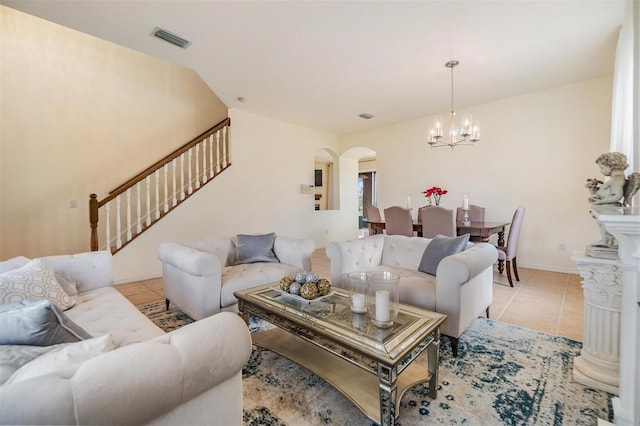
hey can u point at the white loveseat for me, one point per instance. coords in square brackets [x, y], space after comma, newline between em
[192, 375]
[200, 277]
[462, 288]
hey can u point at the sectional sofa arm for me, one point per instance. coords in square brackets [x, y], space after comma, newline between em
[189, 260]
[156, 376]
[294, 251]
[462, 267]
[136, 383]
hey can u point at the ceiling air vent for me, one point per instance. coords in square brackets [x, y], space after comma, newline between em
[366, 116]
[170, 38]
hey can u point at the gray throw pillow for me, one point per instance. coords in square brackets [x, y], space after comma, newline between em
[37, 323]
[439, 248]
[255, 248]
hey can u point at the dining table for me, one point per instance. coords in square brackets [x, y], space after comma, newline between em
[478, 231]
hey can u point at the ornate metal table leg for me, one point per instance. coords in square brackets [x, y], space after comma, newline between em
[387, 378]
[433, 354]
[244, 315]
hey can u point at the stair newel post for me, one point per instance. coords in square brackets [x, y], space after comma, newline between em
[93, 221]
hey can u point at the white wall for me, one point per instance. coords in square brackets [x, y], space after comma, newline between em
[259, 193]
[537, 150]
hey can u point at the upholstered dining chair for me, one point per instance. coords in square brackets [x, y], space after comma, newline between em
[398, 221]
[372, 214]
[437, 220]
[509, 252]
[476, 214]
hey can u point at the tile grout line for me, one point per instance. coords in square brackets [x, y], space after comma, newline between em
[562, 303]
[506, 306]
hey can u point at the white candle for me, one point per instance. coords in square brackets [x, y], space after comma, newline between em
[409, 203]
[382, 306]
[465, 202]
[357, 300]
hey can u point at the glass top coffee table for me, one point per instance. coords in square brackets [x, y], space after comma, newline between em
[371, 366]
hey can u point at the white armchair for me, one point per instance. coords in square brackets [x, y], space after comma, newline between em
[200, 277]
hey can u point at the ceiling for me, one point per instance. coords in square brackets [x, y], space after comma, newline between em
[322, 63]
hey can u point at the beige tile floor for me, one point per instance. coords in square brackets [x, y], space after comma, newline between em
[551, 302]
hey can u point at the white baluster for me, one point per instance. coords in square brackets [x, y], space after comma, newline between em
[218, 159]
[224, 147]
[138, 218]
[211, 157]
[204, 161]
[174, 200]
[129, 214]
[157, 207]
[190, 189]
[166, 188]
[148, 187]
[107, 230]
[197, 166]
[118, 234]
[182, 176]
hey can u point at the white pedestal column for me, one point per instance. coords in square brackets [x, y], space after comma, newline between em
[624, 225]
[598, 365]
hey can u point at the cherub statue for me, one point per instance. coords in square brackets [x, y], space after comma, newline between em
[616, 191]
[617, 187]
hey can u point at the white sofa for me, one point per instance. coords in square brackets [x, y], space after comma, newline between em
[200, 277]
[462, 288]
[192, 375]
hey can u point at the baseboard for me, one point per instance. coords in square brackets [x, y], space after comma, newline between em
[564, 270]
[127, 280]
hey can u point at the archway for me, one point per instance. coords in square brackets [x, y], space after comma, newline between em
[326, 181]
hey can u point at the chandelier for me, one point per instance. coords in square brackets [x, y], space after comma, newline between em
[468, 134]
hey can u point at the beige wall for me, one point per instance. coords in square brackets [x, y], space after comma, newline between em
[259, 193]
[81, 115]
[537, 150]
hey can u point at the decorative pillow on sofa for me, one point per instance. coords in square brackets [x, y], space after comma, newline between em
[439, 248]
[12, 357]
[37, 323]
[255, 248]
[64, 360]
[33, 281]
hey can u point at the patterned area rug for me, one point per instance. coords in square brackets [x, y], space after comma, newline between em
[504, 375]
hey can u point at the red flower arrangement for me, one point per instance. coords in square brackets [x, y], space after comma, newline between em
[435, 192]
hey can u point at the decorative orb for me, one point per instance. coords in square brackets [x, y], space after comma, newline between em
[312, 277]
[301, 277]
[309, 291]
[285, 283]
[324, 286]
[294, 288]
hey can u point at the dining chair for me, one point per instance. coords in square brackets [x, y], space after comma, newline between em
[437, 220]
[372, 214]
[398, 221]
[509, 252]
[476, 214]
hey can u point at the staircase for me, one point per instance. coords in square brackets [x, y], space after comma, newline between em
[137, 204]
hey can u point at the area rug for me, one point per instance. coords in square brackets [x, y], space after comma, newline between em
[503, 375]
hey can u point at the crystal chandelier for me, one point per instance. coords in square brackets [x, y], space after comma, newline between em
[468, 134]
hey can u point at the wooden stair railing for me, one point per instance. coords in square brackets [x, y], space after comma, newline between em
[157, 190]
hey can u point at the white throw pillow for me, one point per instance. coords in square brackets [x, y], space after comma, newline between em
[33, 281]
[65, 360]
